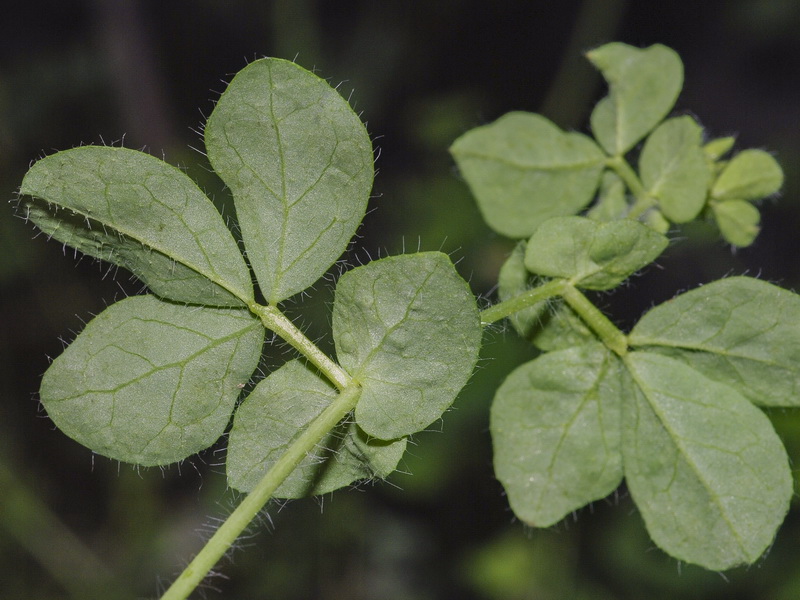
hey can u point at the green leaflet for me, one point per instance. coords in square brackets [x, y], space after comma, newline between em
[739, 331]
[643, 86]
[151, 382]
[523, 170]
[561, 328]
[407, 329]
[136, 211]
[591, 254]
[612, 203]
[750, 175]
[738, 221]
[299, 163]
[719, 147]
[656, 221]
[555, 426]
[276, 413]
[704, 466]
[674, 168]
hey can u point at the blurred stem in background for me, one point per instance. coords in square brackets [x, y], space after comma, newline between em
[129, 51]
[61, 553]
[572, 91]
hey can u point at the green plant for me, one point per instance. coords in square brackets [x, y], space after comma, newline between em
[155, 378]
[669, 406]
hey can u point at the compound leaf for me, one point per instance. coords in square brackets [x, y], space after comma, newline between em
[277, 411]
[151, 382]
[407, 329]
[739, 331]
[643, 86]
[138, 212]
[299, 163]
[555, 425]
[750, 175]
[674, 168]
[705, 467]
[592, 254]
[523, 170]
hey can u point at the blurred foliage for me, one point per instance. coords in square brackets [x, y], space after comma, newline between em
[421, 73]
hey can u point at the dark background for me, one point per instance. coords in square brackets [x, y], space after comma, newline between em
[420, 74]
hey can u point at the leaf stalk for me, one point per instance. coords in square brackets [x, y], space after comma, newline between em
[608, 333]
[623, 169]
[254, 502]
[522, 301]
[274, 320]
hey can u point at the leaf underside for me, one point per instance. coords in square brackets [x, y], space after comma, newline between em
[750, 175]
[408, 330]
[523, 170]
[555, 426]
[738, 330]
[592, 254]
[299, 163]
[705, 467]
[136, 211]
[151, 382]
[276, 412]
[643, 86]
[674, 168]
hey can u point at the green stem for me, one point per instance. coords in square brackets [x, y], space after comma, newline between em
[274, 320]
[522, 301]
[620, 166]
[644, 201]
[608, 333]
[240, 518]
[641, 206]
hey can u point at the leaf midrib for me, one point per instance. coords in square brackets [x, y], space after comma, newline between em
[679, 440]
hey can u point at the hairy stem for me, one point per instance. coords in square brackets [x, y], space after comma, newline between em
[274, 320]
[522, 301]
[620, 166]
[608, 333]
[240, 518]
[644, 201]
